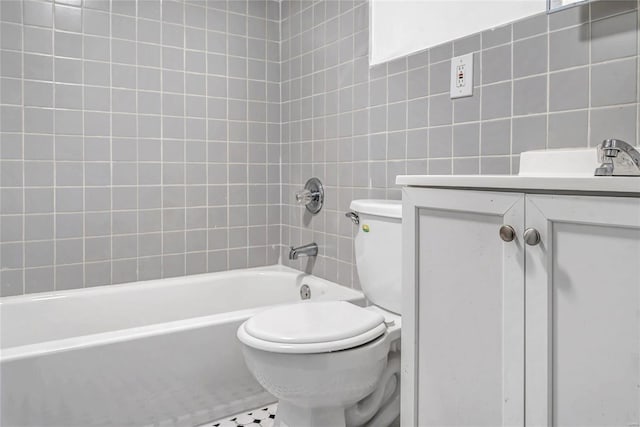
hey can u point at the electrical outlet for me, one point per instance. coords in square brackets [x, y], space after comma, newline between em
[462, 76]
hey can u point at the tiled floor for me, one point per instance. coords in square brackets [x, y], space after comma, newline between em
[261, 417]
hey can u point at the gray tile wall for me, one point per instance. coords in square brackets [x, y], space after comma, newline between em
[139, 140]
[160, 138]
[569, 79]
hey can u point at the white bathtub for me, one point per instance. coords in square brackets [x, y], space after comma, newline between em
[162, 352]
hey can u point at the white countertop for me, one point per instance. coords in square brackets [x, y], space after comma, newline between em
[601, 184]
[568, 170]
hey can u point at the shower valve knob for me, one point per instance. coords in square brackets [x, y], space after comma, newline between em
[304, 197]
[312, 197]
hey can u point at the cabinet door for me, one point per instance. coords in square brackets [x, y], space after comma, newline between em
[583, 311]
[464, 350]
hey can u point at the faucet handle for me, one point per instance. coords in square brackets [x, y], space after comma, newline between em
[312, 196]
[304, 197]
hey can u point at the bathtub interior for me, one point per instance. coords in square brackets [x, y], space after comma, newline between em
[28, 320]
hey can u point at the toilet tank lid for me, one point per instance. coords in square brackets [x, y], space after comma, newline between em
[384, 208]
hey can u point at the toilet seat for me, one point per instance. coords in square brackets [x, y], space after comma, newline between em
[312, 327]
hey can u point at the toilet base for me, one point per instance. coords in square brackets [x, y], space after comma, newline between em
[296, 416]
[379, 409]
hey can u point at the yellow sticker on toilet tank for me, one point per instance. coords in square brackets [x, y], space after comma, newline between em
[365, 228]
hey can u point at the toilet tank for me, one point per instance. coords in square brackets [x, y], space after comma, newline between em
[378, 250]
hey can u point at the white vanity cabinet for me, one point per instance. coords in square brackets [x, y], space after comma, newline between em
[515, 333]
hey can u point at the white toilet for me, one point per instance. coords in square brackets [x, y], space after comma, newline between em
[333, 363]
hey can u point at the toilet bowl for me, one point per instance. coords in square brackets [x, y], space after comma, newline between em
[332, 363]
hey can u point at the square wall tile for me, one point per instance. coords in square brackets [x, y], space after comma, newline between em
[614, 83]
[530, 56]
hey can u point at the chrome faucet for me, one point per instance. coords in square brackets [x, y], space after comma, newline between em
[310, 249]
[618, 159]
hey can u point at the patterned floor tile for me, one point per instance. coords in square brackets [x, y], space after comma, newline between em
[261, 417]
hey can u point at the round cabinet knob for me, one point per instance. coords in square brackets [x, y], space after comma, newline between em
[531, 236]
[507, 233]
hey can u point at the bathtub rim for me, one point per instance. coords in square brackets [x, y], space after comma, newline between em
[156, 329]
[163, 282]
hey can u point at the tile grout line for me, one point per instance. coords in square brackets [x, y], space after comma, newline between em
[84, 165]
[162, 209]
[184, 138]
[55, 166]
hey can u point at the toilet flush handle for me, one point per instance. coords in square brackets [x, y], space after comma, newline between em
[353, 216]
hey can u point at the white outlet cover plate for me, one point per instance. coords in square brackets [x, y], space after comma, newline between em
[462, 76]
